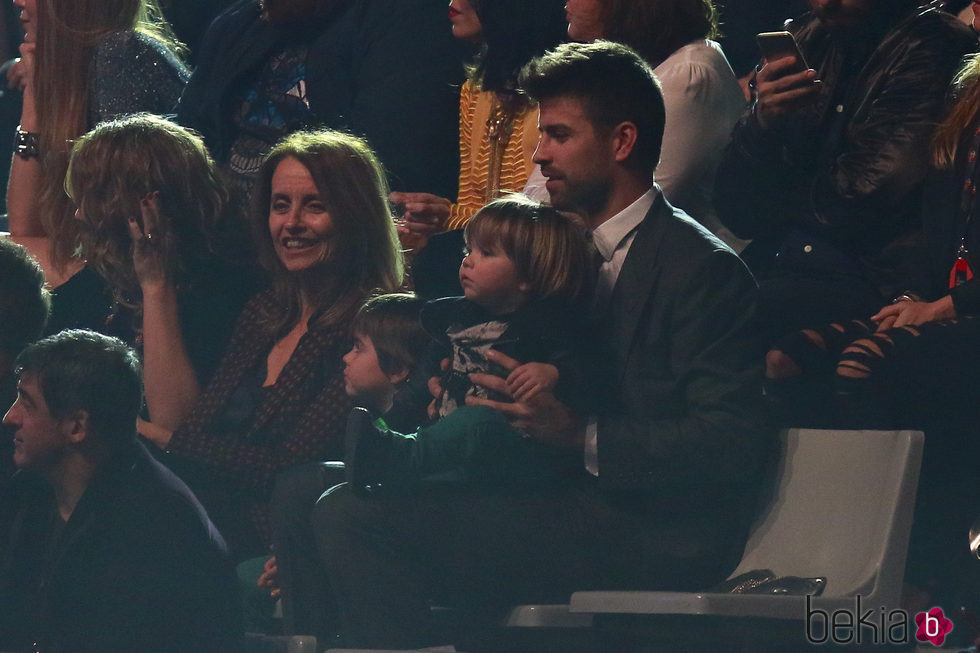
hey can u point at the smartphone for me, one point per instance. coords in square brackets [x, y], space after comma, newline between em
[778, 45]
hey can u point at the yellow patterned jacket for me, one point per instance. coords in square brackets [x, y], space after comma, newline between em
[494, 151]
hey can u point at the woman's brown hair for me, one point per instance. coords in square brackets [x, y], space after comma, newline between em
[365, 256]
[657, 28]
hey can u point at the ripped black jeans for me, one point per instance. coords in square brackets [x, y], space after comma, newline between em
[848, 375]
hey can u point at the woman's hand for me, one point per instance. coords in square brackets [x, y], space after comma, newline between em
[906, 313]
[424, 215]
[24, 183]
[152, 250]
[169, 380]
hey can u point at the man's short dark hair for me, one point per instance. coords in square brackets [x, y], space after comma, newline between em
[614, 85]
[82, 370]
[24, 302]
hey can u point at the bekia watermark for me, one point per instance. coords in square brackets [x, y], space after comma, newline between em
[864, 625]
[932, 626]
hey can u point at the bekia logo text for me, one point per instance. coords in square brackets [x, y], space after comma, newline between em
[868, 626]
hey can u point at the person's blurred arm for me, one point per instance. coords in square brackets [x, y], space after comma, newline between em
[169, 381]
[25, 171]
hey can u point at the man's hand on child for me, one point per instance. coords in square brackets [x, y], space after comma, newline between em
[544, 418]
[530, 379]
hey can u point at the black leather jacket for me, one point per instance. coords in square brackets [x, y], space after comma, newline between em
[848, 168]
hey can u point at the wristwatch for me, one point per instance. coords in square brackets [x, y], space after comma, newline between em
[26, 144]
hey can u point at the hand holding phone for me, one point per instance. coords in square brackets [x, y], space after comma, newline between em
[780, 45]
[786, 81]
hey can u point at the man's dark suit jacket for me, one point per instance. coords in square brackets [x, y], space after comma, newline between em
[137, 567]
[684, 431]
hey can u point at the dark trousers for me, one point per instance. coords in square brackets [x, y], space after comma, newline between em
[387, 558]
[307, 604]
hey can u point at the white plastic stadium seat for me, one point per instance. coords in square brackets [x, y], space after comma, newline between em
[842, 510]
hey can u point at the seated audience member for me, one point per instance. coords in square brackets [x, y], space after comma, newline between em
[385, 70]
[825, 172]
[109, 552]
[497, 125]
[497, 133]
[700, 91]
[910, 364]
[151, 207]
[671, 466]
[388, 336]
[382, 373]
[323, 230]
[82, 62]
[24, 307]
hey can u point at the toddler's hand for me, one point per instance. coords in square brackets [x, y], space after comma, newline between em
[269, 579]
[529, 379]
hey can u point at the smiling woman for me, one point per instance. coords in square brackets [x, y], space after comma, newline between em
[299, 223]
[323, 231]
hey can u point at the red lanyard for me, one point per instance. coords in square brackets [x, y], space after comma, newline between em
[961, 271]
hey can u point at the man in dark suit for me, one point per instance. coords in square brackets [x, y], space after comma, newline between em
[674, 464]
[109, 551]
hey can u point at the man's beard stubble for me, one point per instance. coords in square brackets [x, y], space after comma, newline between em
[584, 198]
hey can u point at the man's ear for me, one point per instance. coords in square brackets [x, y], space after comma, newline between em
[623, 140]
[77, 426]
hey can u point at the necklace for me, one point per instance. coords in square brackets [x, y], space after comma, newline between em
[500, 126]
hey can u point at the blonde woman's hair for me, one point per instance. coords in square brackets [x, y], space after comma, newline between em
[365, 255]
[68, 33]
[966, 89]
[549, 251]
[117, 164]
